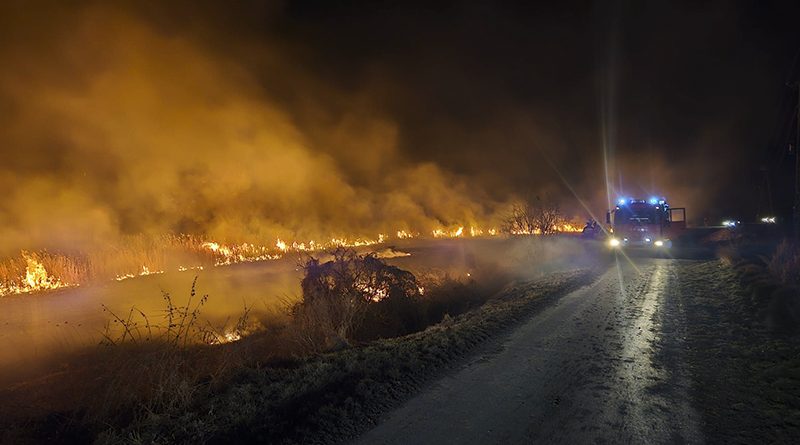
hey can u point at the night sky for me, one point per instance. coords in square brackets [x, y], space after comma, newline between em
[695, 91]
[252, 119]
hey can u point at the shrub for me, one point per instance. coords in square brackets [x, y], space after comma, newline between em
[339, 295]
[784, 264]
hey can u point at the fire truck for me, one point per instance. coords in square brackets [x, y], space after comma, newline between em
[645, 223]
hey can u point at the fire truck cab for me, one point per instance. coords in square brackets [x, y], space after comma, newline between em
[649, 223]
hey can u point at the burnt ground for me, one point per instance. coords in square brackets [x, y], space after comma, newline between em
[655, 351]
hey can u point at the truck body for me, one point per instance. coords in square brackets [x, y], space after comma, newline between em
[650, 223]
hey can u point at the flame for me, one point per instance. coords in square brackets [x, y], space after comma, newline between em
[225, 255]
[226, 337]
[444, 233]
[36, 278]
[281, 245]
[569, 228]
[146, 271]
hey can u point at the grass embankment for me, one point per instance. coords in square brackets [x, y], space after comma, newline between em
[323, 369]
[332, 395]
[744, 351]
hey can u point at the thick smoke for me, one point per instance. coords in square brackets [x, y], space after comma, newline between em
[247, 121]
[113, 126]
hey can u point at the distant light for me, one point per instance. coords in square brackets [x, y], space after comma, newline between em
[647, 240]
[653, 201]
[661, 201]
[659, 243]
[769, 220]
[729, 223]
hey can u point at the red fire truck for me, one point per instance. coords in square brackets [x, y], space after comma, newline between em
[647, 223]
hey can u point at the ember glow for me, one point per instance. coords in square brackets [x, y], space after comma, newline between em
[34, 276]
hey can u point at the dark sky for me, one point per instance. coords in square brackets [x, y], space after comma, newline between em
[696, 87]
[250, 119]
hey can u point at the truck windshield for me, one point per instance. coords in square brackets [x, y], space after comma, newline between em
[636, 214]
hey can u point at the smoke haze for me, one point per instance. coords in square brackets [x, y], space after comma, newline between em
[279, 120]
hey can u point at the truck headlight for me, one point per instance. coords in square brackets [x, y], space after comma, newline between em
[613, 242]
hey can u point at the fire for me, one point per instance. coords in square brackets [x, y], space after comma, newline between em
[232, 336]
[67, 271]
[214, 338]
[144, 272]
[241, 253]
[444, 233]
[281, 245]
[36, 278]
[569, 228]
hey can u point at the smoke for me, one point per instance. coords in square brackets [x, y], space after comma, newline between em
[113, 126]
[250, 121]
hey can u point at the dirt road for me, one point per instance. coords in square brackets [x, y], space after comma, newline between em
[604, 364]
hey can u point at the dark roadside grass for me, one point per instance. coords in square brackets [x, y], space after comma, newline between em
[311, 374]
[334, 396]
[743, 349]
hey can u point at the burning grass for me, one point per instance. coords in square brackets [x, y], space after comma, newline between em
[32, 271]
[133, 256]
[158, 379]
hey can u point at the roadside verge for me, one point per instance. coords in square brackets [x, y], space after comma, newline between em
[337, 395]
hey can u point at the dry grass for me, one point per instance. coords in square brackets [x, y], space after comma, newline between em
[129, 257]
[746, 375]
[70, 270]
[153, 371]
[784, 264]
[132, 256]
[324, 397]
[147, 367]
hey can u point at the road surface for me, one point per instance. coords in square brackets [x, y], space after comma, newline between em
[602, 365]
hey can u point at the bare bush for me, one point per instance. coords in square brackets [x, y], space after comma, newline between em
[157, 366]
[179, 326]
[520, 221]
[539, 217]
[338, 293]
[784, 264]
